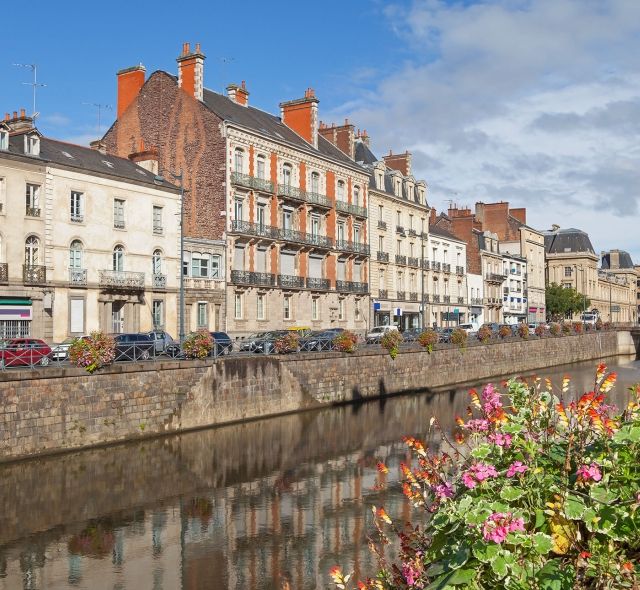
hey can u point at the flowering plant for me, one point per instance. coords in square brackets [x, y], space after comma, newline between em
[484, 334]
[599, 324]
[290, 342]
[540, 331]
[459, 337]
[93, 351]
[346, 341]
[566, 327]
[428, 339]
[198, 345]
[577, 327]
[538, 493]
[391, 341]
[523, 331]
[504, 331]
[554, 329]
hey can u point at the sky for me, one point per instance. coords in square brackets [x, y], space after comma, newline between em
[535, 102]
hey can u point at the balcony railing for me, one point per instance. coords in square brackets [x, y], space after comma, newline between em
[356, 210]
[402, 295]
[383, 294]
[447, 299]
[252, 182]
[436, 298]
[244, 277]
[158, 230]
[159, 281]
[33, 212]
[350, 246]
[4, 273]
[460, 299]
[413, 296]
[413, 233]
[425, 298]
[399, 229]
[254, 229]
[290, 281]
[446, 267]
[119, 224]
[352, 287]
[318, 284]
[425, 264]
[383, 256]
[382, 224]
[400, 259]
[317, 199]
[495, 278]
[413, 261]
[120, 279]
[77, 218]
[276, 233]
[459, 270]
[435, 265]
[78, 276]
[291, 192]
[476, 300]
[33, 274]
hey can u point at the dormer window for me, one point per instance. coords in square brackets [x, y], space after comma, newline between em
[380, 181]
[4, 139]
[32, 145]
[398, 187]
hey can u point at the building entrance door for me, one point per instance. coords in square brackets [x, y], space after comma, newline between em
[117, 317]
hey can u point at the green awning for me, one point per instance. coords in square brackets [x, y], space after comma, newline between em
[15, 301]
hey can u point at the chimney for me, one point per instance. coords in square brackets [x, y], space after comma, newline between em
[432, 216]
[146, 157]
[191, 71]
[238, 94]
[342, 136]
[130, 81]
[400, 162]
[363, 137]
[301, 115]
[19, 122]
[99, 146]
[520, 214]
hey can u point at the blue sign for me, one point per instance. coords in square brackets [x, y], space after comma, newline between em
[376, 306]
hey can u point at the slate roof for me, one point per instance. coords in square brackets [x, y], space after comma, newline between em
[53, 151]
[363, 155]
[624, 260]
[562, 241]
[443, 233]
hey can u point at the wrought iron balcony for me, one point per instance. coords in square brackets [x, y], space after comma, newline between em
[425, 264]
[413, 296]
[402, 295]
[290, 192]
[290, 281]
[495, 278]
[159, 281]
[435, 265]
[425, 298]
[158, 230]
[118, 224]
[4, 273]
[447, 299]
[78, 276]
[254, 229]
[413, 261]
[318, 284]
[476, 300]
[292, 235]
[77, 218]
[349, 246]
[382, 224]
[33, 212]
[459, 270]
[33, 274]
[399, 229]
[352, 287]
[244, 277]
[383, 294]
[383, 256]
[120, 279]
[356, 210]
[316, 199]
[460, 299]
[400, 259]
[413, 233]
[446, 267]
[436, 298]
[252, 182]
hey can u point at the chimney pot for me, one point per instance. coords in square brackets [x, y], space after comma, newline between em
[243, 85]
[22, 114]
[7, 116]
[197, 47]
[187, 48]
[15, 114]
[346, 122]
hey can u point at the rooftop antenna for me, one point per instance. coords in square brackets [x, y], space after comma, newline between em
[99, 108]
[34, 84]
[225, 61]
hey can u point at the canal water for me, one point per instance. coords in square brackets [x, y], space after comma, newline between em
[269, 504]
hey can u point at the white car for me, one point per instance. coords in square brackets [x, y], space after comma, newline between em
[468, 328]
[60, 352]
[376, 334]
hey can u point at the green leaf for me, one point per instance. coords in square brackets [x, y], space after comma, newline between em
[460, 557]
[574, 507]
[464, 504]
[512, 428]
[481, 451]
[477, 516]
[606, 519]
[602, 494]
[540, 518]
[499, 566]
[485, 552]
[589, 519]
[459, 577]
[542, 543]
[627, 433]
[509, 493]
[556, 576]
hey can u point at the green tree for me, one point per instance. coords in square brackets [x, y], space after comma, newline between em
[563, 302]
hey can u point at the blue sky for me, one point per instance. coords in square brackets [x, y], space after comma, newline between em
[536, 102]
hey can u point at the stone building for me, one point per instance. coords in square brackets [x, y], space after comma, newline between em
[619, 265]
[515, 307]
[87, 241]
[289, 207]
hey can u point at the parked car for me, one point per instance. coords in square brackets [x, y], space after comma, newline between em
[375, 334]
[162, 341]
[60, 352]
[222, 343]
[468, 328]
[133, 347]
[248, 344]
[493, 326]
[320, 340]
[302, 331]
[445, 334]
[411, 335]
[25, 352]
[267, 343]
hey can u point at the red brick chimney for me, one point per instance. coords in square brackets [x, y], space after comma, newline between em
[400, 162]
[520, 214]
[342, 136]
[147, 156]
[191, 71]
[19, 121]
[301, 115]
[364, 137]
[238, 94]
[130, 80]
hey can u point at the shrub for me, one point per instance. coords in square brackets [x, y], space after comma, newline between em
[577, 327]
[484, 334]
[588, 327]
[599, 324]
[346, 341]
[540, 330]
[555, 329]
[540, 495]
[459, 337]
[92, 352]
[198, 345]
[566, 327]
[290, 342]
[606, 326]
[504, 332]
[523, 331]
[391, 341]
[428, 339]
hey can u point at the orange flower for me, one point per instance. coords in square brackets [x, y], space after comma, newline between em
[600, 371]
[459, 437]
[565, 383]
[609, 382]
[475, 400]
[459, 421]
[381, 514]
[382, 468]
[627, 567]
[562, 415]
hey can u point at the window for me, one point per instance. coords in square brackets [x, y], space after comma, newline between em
[75, 255]
[286, 175]
[118, 213]
[341, 309]
[202, 314]
[32, 145]
[567, 271]
[287, 219]
[157, 313]
[315, 314]
[33, 200]
[380, 244]
[356, 195]
[4, 139]
[398, 247]
[157, 220]
[118, 258]
[77, 206]
[261, 168]
[261, 215]
[340, 232]
[156, 262]
[399, 218]
[215, 267]
[238, 257]
[410, 221]
[261, 259]
[356, 234]
[315, 225]
[260, 315]
[286, 307]
[32, 251]
[315, 182]
[238, 164]
[76, 315]
[341, 193]
[199, 265]
[237, 307]
[380, 212]
[238, 210]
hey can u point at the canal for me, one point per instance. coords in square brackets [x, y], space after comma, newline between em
[268, 504]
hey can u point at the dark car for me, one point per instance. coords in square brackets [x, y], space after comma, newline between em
[411, 335]
[267, 343]
[162, 341]
[319, 340]
[445, 334]
[222, 344]
[134, 347]
[493, 326]
[248, 344]
[20, 352]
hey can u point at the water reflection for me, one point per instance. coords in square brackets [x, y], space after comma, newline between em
[254, 506]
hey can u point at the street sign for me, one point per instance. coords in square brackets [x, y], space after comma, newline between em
[376, 306]
[398, 311]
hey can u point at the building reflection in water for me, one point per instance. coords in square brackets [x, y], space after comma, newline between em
[265, 505]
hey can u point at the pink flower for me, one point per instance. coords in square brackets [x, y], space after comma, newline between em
[589, 472]
[410, 573]
[467, 480]
[478, 472]
[490, 399]
[443, 490]
[499, 525]
[516, 467]
[502, 440]
[477, 425]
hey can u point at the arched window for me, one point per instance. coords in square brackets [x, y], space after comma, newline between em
[341, 195]
[118, 258]
[315, 182]
[261, 167]
[356, 195]
[286, 174]
[239, 161]
[75, 255]
[156, 262]
[32, 251]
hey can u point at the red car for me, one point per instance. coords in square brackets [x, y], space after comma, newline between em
[24, 351]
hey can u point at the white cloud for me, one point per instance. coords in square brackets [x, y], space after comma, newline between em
[532, 101]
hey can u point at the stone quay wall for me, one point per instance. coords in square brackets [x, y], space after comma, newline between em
[56, 409]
